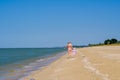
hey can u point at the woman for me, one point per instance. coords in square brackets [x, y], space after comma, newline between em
[69, 47]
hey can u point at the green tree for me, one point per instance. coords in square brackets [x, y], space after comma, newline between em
[114, 41]
[108, 41]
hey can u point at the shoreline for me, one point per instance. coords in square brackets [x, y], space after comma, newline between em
[29, 66]
[52, 58]
[93, 63]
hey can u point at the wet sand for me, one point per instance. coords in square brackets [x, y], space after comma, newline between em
[91, 63]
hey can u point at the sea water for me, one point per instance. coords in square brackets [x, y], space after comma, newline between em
[16, 63]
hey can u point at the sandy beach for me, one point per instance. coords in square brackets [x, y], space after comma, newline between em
[91, 63]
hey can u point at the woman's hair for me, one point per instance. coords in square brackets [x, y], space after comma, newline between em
[69, 42]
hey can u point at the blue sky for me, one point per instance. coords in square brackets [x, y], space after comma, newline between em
[51, 23]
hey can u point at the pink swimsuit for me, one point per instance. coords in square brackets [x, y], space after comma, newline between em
[69, 47]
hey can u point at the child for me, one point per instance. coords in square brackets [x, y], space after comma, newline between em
[74, 51]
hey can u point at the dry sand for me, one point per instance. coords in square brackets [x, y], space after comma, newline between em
[92, 63]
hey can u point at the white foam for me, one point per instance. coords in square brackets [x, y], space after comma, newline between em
[40, 60]
[27, 66]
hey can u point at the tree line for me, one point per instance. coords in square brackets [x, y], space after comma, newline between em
[111, 41]
[107, 42]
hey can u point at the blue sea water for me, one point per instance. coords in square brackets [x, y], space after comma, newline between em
[19, 62]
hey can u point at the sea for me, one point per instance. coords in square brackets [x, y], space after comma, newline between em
[16, 63]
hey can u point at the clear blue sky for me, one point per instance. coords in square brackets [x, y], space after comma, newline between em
[51, 23]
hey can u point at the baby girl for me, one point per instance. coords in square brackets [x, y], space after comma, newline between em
[74, 51]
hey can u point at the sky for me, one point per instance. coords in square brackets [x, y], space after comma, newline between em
[53, 23]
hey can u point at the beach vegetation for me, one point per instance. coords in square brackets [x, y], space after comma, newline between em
[112, 41]
[108, 41]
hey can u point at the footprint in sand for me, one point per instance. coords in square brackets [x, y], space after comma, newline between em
[32, 79]
[58, 70]
[71, 58]
[88, 65]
